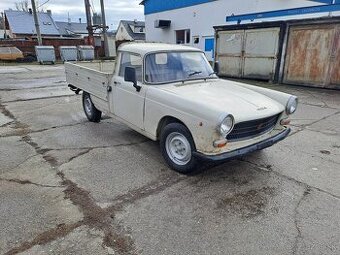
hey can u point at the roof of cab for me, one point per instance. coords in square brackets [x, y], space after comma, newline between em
[144, 48]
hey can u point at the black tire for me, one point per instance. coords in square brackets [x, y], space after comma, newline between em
[30, 59]
[169, 133]
[91, 112]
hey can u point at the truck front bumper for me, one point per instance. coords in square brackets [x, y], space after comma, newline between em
[245, 150]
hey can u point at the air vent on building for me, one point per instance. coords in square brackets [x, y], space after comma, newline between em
[160, 23]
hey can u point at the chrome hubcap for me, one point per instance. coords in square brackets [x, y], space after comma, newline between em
[88, 105]
[178, 148]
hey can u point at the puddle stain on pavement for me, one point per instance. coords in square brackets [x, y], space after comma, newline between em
[247, 204]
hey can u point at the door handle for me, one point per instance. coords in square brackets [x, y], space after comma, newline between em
[109, 88]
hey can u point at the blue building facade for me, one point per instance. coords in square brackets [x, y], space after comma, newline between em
[154, 6]
[191, 22]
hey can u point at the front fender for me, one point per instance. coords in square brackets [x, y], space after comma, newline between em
[159, 104]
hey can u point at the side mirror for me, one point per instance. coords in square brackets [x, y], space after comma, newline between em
[130, 76]
[216, 67]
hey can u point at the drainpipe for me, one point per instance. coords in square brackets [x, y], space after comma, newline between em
[331, 13]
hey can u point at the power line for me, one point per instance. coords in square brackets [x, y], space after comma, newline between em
[43, 4]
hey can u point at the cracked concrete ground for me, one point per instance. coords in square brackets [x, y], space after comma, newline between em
[68, 186]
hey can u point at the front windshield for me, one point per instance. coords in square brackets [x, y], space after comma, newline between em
[176, 66]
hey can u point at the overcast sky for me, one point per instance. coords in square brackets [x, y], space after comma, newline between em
[115, 10]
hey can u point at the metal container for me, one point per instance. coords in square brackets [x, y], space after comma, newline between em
[68, 53]
[86, 52]
[45, 54]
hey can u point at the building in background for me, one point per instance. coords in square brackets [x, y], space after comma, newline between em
[22, 33]
[72, 29]
[290, 41]
[191, 22]
[21, 24]
[130, 30]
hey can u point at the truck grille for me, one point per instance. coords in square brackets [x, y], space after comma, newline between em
[252, 128]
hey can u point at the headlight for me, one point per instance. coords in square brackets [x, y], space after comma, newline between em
[227, 125]
[291, 105]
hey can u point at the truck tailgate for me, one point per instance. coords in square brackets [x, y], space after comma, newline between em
[90, 77]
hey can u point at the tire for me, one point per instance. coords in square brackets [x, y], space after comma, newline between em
[177, 145]
[91, 112]
[29, 59]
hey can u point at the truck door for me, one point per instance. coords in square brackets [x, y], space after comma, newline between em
[128, 104]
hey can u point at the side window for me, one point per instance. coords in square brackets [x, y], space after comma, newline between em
[131, 60]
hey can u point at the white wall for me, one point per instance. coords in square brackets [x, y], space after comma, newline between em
[200, 19]
[2, 33]
[122, 34]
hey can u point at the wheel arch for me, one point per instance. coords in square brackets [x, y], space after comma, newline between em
[165, 121]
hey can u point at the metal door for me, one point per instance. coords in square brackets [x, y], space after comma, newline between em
[335, 60]
[250, 53]
[313, 56]
[229, 52]
[260, 53]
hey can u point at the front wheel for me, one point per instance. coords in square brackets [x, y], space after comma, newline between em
[177, 146]
[91, 112]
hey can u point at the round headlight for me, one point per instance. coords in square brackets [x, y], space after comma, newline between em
[291, 105]
[227, 125]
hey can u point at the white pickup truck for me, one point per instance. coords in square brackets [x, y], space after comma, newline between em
[171, 94]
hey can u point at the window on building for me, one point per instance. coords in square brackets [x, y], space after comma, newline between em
[187, 36]
[139, 29]
[196, 40]
[183, 36]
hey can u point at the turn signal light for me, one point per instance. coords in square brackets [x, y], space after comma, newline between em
[285, 122]
[220, 143]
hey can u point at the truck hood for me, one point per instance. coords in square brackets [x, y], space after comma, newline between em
[223, 96]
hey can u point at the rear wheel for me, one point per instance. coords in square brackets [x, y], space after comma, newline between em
[91, 112]
[177, 146]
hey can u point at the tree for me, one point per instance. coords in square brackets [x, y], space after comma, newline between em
[22, 6]
[25, 5]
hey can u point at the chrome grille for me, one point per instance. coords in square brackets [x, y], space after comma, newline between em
[252, 128]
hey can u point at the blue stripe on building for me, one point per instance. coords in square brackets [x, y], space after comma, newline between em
[154, 6]
[287, 12]
[322, 1]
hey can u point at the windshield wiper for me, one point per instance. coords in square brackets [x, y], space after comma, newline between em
[194, 73]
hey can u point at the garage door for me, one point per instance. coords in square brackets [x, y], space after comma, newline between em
[313, 56]
[250, 53]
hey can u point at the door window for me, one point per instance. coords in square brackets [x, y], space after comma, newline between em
[131, 60]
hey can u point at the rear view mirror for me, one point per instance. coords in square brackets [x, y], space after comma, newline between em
[130, 76]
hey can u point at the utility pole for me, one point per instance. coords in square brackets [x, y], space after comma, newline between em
[4, 24]
[106, 43]
[36, 21]
[89, 21]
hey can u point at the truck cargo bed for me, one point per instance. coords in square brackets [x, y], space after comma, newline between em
[92, 77]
